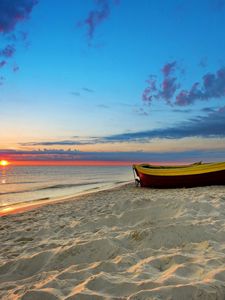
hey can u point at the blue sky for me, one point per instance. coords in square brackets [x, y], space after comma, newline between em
[131, 79]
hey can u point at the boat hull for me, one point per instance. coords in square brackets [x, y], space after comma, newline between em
[179, 181]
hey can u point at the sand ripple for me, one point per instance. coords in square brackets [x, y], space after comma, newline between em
[127, 243]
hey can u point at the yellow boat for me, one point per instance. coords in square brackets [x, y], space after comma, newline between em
[196, 174]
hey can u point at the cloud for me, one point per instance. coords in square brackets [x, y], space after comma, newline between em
[137, 156]
[141, 112]
[166, 89]
[55, 143]
[45, 154]
[151, 91]
[209, 109]
[211, 86]
[2, 63]
[8, 51]
[75, 94]
[169, 87]
[97, 16]
[184, 111]
[87, 90]
[1, 80]
[209, 126]
[12, 12]
[15, 68]
[102, 106]
[168, 68]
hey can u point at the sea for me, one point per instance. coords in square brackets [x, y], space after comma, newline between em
[29, 184]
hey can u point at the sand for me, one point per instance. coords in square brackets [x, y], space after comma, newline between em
[125, 243]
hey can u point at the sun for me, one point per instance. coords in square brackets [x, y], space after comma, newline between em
[4, 163]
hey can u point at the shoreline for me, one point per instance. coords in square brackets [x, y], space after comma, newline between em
[122, 243]
[30, 205]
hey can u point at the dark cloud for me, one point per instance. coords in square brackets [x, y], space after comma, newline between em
[209, 126]
[184, 111]
[208, 109]
[75, 141]
[137, 156]
[97, 16]
[39, 151]
[56, 143]
[2, 63]
[8, 51]
[13, 12]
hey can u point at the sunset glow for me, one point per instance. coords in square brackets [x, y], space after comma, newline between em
[4, 163]
[72, 163]
[101, 104]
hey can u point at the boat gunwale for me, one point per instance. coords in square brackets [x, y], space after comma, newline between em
[193, 169]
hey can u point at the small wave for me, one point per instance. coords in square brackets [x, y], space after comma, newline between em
[20, 182]
[123, 181]
[55, 186]
[49, 199]
[24, 202]
[68, 185]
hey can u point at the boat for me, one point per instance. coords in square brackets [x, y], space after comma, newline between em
[171, 176]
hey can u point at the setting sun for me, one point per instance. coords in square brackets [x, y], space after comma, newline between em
[4, 163]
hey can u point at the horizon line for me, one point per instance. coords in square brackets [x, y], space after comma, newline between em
[88, 163]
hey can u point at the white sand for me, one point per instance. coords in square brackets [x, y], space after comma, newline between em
[126, 243]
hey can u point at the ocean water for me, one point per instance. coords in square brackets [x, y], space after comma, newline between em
[29, 184]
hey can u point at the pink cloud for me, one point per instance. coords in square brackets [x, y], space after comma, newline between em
[169, 68]
[212, 87]
[97, 16]
[164, 90]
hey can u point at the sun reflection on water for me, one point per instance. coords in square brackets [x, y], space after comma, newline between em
[3, 171]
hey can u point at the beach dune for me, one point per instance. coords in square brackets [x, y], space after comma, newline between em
[124, 243]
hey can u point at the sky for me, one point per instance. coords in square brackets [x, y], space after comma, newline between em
[112, 80]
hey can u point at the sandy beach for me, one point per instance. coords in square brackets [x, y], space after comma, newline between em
[124, 243]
